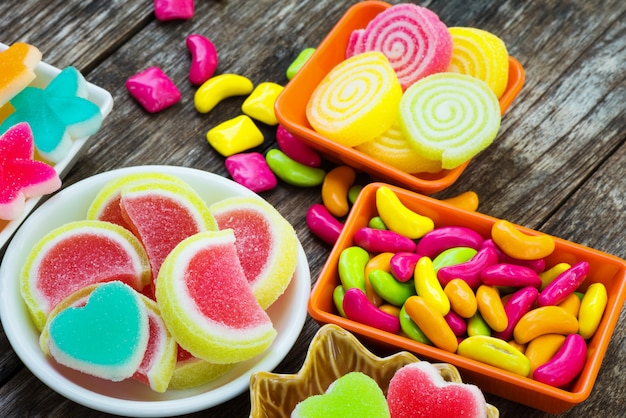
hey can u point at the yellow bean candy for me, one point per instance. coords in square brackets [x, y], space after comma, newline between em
[591, 309]
[260, 104]
[235, 135]
[549, 275]
[427, 285]
[400, 219]
[217, 88]
[356, 101]
[496, 352]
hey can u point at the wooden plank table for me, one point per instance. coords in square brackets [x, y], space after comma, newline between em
[557, 165]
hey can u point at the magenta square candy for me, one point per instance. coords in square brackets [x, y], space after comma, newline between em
[153, 89]
[251, 170]
[173, 9]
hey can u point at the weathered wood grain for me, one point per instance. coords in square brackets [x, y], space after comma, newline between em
[558, 164]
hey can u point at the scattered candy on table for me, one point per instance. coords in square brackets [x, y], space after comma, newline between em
[173, 9]
[300, 60]
[218, 88]
[292, 172]
[260, 104]
[295, 149]
[204, 59]
[153, 89]
[251, 170]
[235, 135]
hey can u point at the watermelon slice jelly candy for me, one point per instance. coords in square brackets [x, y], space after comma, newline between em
[106, 337]
[206, 301]
[106, 204]
[267, 244]
[22, 177]
[418, 390]
[191, 372]
[78, 254]
[163, 214]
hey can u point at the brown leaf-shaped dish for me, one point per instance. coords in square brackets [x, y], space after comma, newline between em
[333, 353]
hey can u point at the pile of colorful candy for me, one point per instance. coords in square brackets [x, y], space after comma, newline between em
[489, 298]
[38, 126]
[157, 285]
[412, 92]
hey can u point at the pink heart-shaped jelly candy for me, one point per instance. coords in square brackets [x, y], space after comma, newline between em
[418, 390]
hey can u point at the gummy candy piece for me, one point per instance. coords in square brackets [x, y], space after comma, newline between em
[482, 55]
[251, 170]
[217, 88]
[173, 9]
[352, 395]
[22, 177]
[296, 149]
[235, 135]
[391, 147]
[153, 89]
[356, 101]
[449, 117]
[204, 58]
[413, 38]
[18, 63]
[260, 104]
[57, 114]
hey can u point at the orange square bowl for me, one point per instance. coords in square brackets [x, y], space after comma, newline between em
[291, 106]
[604, 268]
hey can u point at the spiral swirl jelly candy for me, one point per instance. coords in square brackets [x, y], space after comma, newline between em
[391, 147]
[356, 101]
[480, 54]
[413, 38]
[449, 117]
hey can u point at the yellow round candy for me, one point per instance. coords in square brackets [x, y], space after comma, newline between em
[392, 148]
[480, 54]
[356, 101]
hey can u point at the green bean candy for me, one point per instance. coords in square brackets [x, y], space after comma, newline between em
[410, 328]
[292, 172]
[390, 289]
[351, 266]
[353, 192]
[476, 325]
[452, 256]
[300, 60]
[377, 223]
[338, 295]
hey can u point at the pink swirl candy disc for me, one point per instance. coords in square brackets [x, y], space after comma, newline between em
[413, 39]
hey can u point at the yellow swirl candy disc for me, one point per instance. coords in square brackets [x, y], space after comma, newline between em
[356, 101]
[480, 54]
[449, 117]
[391, 147]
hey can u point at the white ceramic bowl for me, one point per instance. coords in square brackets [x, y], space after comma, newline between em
[131, 398]
[102, 98]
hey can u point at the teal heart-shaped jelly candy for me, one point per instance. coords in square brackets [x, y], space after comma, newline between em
[107, 337]
[352, 395]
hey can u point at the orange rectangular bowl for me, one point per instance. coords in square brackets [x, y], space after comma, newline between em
[291, 106]
[604, 268]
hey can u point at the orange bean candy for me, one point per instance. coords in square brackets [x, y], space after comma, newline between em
[335, 187]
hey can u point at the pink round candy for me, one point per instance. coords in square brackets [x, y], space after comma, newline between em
[173, 9]
[204, 58]
[153, 89]
[359, 308]
[295, 149]
[251, 170]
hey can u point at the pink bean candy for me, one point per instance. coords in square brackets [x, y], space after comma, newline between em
[442, 238]
[297, 150]
[173, 9]
[563, 285]
[204, 58]
[323, 224]
[358, 307]
[470, 270]
[503, 274]
[403, 265]
[537, 265]
[518, 304]
[383, 240]
[456, 322]
[251, 170]
[153, 89]
[565, 365]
